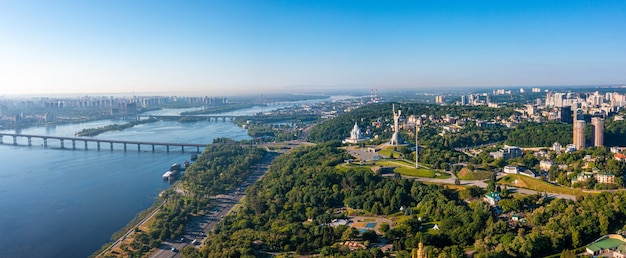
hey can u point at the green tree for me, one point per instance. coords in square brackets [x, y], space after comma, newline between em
[349, 234]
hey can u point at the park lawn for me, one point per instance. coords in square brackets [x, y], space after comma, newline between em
[408, 169]
[428, 226]
[404, 162]
[409, 163]
[387, 151]
[466, 174]
[539, 185]
[456, 187]
[420, 172]
[353, 167]
[399, 219]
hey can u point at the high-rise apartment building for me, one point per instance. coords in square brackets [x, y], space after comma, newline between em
[439, 99]
[463, 100]
[567, 116]
[597, 126]
[579, 134]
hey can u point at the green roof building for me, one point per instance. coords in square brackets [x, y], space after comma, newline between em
[613, 245]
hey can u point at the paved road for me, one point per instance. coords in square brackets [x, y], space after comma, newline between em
[200, 227]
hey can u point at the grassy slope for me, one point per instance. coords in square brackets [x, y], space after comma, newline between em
[539, 185]
[408, 169]
[466, 174]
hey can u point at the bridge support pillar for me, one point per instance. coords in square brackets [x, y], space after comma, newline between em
[73, 144]
[138, 147]
[167, 147]
[1, 136]
[30, 142]
[111, 146]
[98, 143]
[86, 145]
[124, 146]
[182, 148]
[152, 147]
[62, 144]
[14, 140]
[197, 149]
[45, 142]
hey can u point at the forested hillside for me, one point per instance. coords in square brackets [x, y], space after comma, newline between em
[221, 166]
[615, 132]
[339, 127]
[305, 185]
[540, 135]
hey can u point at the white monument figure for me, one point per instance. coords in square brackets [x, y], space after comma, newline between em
[396, 139]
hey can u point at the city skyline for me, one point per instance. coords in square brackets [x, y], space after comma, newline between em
[232, 47]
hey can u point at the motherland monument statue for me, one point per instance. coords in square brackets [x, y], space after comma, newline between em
[396, 139]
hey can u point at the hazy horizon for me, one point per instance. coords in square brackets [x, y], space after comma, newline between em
[237, 47]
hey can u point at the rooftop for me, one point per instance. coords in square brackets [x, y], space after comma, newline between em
[605, 244]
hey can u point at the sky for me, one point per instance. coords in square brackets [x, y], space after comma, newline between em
[224, 47]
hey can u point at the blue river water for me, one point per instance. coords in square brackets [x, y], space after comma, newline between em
[67, 203]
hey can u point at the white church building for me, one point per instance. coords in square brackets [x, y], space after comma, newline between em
[355, 135]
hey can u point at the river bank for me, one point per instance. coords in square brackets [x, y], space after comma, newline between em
[83, 197]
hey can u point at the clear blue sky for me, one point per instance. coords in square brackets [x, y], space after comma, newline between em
[235, 46]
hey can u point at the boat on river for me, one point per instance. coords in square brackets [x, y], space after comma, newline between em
[173, 173]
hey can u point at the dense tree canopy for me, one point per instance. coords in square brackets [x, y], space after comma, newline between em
[305, 185]
[221, 166]
[531, 134]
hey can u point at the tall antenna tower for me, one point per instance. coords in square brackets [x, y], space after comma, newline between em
[374, 96]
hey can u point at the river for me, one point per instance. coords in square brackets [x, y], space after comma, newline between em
[67, 203]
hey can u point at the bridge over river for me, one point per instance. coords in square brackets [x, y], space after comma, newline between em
[97, 142]
[210, 118]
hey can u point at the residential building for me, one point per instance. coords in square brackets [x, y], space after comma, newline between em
[579, 134]
[567, 116]
[612, 245]
[510, 170]
[507, 152]
[493, 198]
[545, 165]
[597, 125]
[519, 171]
[605, 178]
[582, 176]
[439, 99]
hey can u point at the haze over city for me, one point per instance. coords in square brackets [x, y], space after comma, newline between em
[230, 47]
